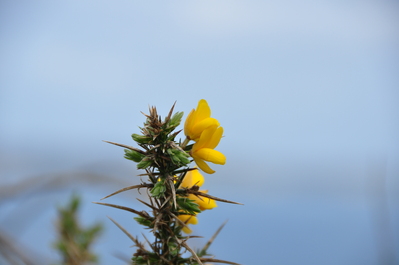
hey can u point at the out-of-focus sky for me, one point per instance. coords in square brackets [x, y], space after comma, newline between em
[307, 92]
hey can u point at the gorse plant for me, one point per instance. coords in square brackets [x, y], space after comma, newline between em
[173, 185]
[74, 242]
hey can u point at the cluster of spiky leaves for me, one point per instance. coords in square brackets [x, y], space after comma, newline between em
[166, 163]
[74, 242]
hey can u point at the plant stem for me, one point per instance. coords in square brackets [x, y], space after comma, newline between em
[185, 142]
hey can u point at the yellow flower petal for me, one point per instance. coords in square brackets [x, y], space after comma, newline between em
[186, 183]
[210, 155]
[198, 120]
[203, 202]
[203, 110]
[199, 127]
[207, 204]
[187, 219]
[205, 138]
[203, 166]
[188, 124]
[215, 139]
[193, 177]
[187, 230]
[197, 178]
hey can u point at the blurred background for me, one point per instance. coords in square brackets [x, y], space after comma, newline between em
[307, 92]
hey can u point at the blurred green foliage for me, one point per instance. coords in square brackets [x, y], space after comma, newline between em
[74, 241]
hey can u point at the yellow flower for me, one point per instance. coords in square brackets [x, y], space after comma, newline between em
[188, 219]
[198, 120]
[203, 149]
[192, 178]
[203, 203]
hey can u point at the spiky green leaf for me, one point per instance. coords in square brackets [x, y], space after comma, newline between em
[187, 205]
[133, 155]
[159, 189]
[143, 164]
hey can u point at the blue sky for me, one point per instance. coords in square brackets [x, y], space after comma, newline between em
[307, 93]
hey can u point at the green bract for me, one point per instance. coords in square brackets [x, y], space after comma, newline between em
[159, 189]
[178, 157]
[133, 155]
[176, 119]
[141, 139]
[143, 164]
[189, 206]
[143, 221]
